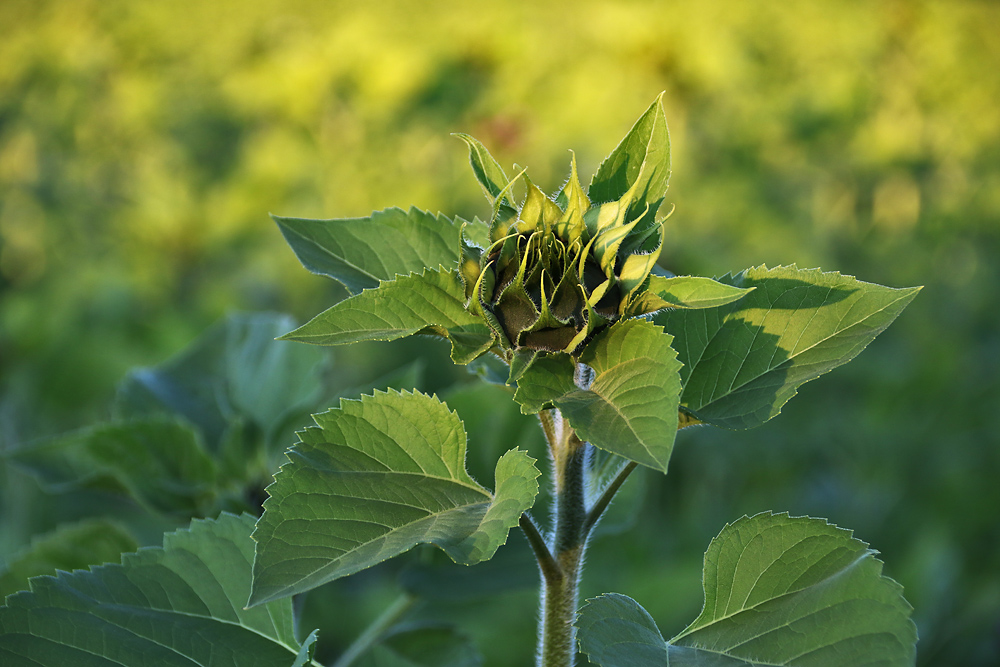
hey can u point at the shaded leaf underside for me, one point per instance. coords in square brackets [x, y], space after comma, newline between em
[233, 371]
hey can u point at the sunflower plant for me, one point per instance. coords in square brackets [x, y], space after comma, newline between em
[561, 299]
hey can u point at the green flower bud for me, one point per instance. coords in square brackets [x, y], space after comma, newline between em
[559, 271]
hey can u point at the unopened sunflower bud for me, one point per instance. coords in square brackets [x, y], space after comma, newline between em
[561, 270]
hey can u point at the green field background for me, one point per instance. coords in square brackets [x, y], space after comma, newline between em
[142, 145]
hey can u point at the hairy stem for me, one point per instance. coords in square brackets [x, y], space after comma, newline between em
[557, 636]
[561, 558]
[374, 632]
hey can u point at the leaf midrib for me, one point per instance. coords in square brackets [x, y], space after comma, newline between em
[328, 252]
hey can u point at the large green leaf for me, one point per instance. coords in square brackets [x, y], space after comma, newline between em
[234, 371]
[641, 160]
[69, 547]
[432, 302]
[159, 462]
[778, 591]
[180, 605]
[630, 408]
[744, 360]
[373, 479]
[683, 292]
[359, 252]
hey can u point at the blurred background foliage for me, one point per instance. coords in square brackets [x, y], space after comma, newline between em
[142, 144]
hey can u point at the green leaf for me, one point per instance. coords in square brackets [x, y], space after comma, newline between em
[359, 252]
[684, 292]
[614, 631]
[642, 161]
[180, 605]
[234, 371]
[778, 591]
[433, 646]
[547, 379]
[744, 360]
[373, 479]
[630, 408]
[488, 171]
[69, 547]
[476, 232]
[429, 303]
[269, 380]
[161, 463]
[520, 362]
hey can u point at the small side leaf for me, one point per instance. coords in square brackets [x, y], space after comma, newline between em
[359, 252]
[548, 378]
[778, 591]
[373, 479]
[616, 632]
[630, 408]
[176, 606]
[488, 171]
[745, 360]
[431, 303]
[684, 292]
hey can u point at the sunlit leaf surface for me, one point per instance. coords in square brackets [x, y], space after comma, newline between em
[743, 361]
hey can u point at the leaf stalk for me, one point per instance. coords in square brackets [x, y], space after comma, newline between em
[377, 630]
[598, 508]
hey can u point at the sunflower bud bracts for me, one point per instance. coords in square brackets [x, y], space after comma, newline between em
[557, 271]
